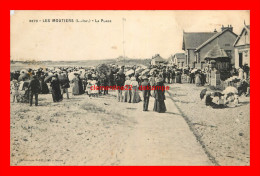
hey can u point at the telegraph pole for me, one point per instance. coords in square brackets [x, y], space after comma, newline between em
[123, 22]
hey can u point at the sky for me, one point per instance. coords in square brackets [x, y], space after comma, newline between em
[145, 33]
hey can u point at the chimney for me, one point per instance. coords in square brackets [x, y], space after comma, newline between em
[231, 28]
[222, 28]
[215, 31]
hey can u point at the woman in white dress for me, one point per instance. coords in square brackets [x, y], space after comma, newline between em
[240, 73]
[135, 94]
[127, 91]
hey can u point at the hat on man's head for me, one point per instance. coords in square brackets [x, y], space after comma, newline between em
[145, 78]
[159, 80]
[133, 78]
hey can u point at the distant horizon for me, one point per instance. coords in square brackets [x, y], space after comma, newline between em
[23, 60]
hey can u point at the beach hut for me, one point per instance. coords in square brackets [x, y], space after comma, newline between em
[219, 57]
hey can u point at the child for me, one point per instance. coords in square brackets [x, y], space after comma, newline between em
[15, 92]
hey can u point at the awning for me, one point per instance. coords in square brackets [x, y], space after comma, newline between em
[216, 53]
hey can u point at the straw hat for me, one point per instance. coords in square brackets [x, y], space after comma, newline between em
[145, 78]
[159, 80]
[133, 79]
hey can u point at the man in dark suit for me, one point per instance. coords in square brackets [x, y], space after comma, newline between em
[146, 89]
[34, 89]
[120, 81]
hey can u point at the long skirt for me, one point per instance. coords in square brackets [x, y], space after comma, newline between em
[197, 81]
[127, 96]
[135, 95]
[56, 94]
[44, 88]
[159, 106]
[178, 79]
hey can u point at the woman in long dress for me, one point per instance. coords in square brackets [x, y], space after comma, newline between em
[78, 87]
[159, 105]
[240, 73]
[135, 94]
[178, 77]
[44, 86]
[152, 83]
[197, 79]
[56, 91]
[127, 91]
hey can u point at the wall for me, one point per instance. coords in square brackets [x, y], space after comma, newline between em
[192, 57]
[222, 40]
[243, 46]
[245, 50]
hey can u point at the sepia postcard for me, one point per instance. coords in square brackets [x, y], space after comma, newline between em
[130, 88]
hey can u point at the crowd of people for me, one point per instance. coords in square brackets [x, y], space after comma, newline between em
[27, 84]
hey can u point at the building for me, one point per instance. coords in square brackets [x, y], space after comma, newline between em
[242, 47]
[178, 59]
[220, 58]
[157, 60]
[192, 40]
[224, 40]
[197, 45]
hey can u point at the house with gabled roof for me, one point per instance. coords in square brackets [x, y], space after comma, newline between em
[157, 60]
[178, 59]
[192, 40]
[224, 39]
[242, 47]
[197, 45]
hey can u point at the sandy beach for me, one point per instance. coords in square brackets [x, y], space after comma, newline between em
[101, 131]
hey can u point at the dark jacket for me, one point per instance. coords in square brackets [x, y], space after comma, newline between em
[159, 94]
[120, 79]
[34, 85]
[147, 90]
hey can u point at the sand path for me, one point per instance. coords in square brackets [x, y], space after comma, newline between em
[101, 131]
[162, 139]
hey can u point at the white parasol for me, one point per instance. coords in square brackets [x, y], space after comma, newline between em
[129, 72]
[194, 70]
[145, 71]
[139, 70]
[23, 71]
[230, 89]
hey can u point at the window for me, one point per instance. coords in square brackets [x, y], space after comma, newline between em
[227, 44]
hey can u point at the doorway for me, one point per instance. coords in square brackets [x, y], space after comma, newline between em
[240, 59]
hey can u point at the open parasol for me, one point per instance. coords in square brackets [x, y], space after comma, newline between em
[48, 78]
[139, 70]
[129, 72]
[57, 70]
[230, 89]
[23, 71]
[146, 71]
[194, 70]
[23, 76]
